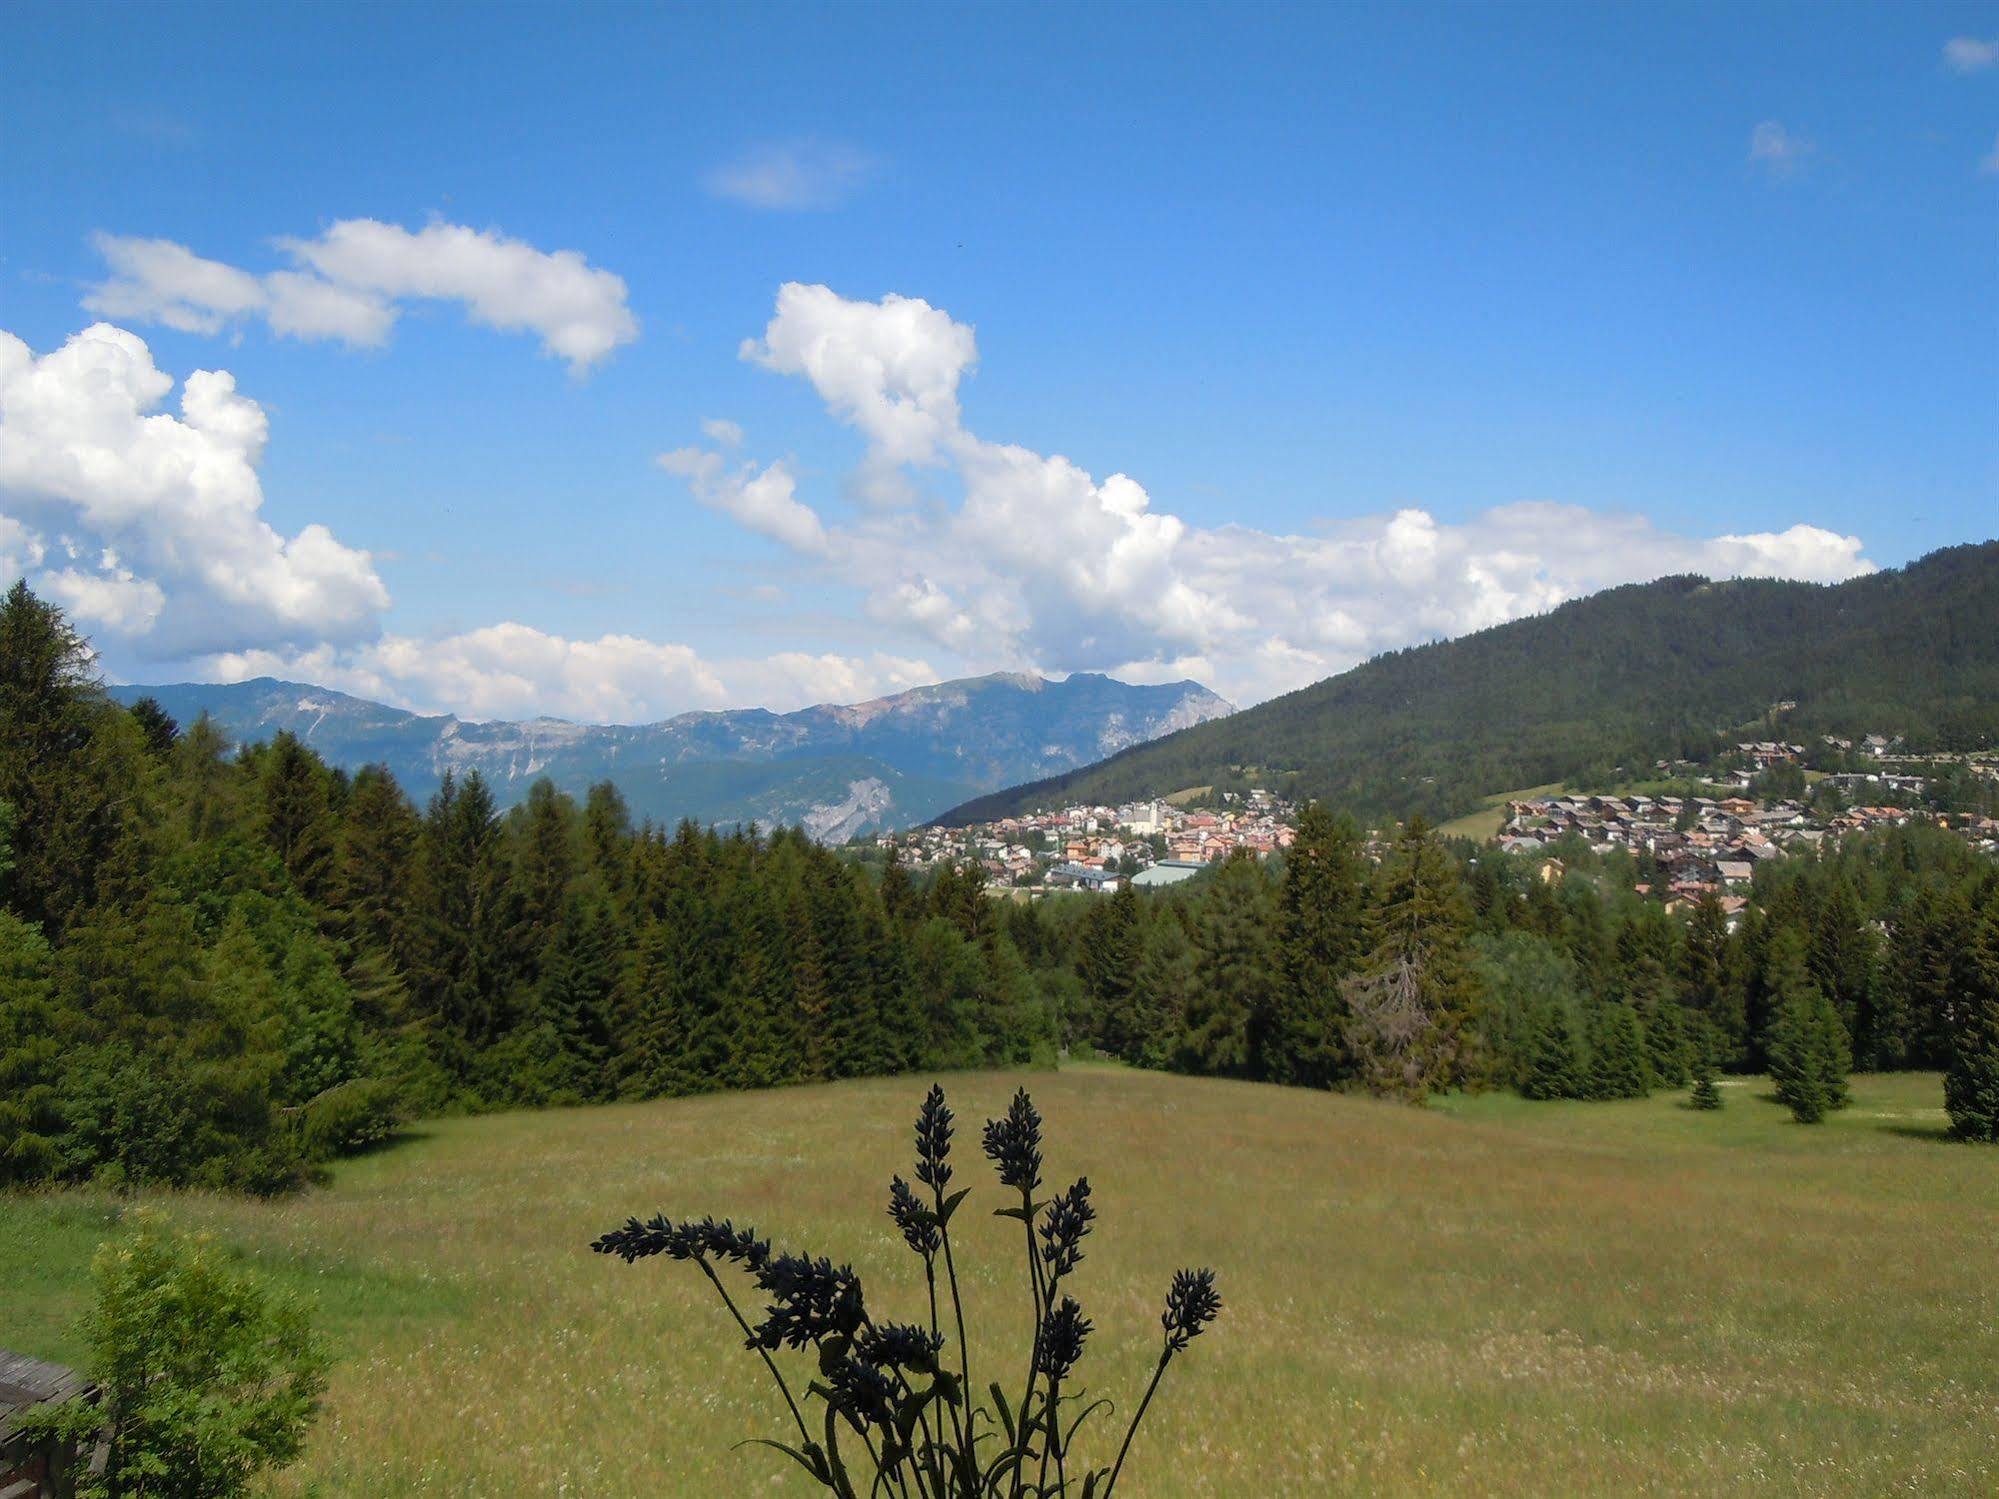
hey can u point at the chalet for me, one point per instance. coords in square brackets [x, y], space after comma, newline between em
[1735, 871]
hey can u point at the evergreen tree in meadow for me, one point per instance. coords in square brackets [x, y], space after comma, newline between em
[1809, 1051]
[1971, 1079]
[1168, 979]
[1704, 979]
[1554, 1067]
[1928, 948]
[1843, 957]
[1617, 1065]
[1228, 1016]
[1106, 947]
[1322, 941]
[1705, 1094]
[1415, 1007]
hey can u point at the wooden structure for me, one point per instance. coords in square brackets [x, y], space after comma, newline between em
[39, 1470]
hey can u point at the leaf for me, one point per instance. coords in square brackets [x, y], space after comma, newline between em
[1005, 1411]
[1083, 1415]
[951, 1204]
[812, 1460]
[832, 1353]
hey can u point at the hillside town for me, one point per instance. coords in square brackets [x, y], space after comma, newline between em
[1703, 844]
[1100, 848]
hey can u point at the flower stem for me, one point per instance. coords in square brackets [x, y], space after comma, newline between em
[762, 1352]
[1165, 1357]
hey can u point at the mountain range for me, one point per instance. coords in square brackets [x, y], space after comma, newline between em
[1623, 678]
[837, 770]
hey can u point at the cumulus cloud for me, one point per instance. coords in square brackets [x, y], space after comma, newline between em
[791, 176]
[1777, 149]
[347, 284]
[1970, 54]
[761, 498]
[179, 557]
[1010, 557]
[513, 670]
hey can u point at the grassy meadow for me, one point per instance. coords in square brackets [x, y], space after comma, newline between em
[1485, 1297]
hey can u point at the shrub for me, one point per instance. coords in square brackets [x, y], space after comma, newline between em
[903, 1389]
[205, 1377]
[347, 1118]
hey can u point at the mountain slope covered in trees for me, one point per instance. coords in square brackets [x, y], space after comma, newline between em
[835, 769]
[1622, 678]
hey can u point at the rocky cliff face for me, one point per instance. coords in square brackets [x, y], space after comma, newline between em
[841, 770]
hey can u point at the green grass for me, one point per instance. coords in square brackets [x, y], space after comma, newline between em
[1487, 820]
[1486, 1297]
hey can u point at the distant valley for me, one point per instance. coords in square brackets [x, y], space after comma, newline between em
[839, 770]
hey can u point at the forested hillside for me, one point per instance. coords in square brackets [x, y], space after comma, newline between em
[1620, 679]
[222, 967]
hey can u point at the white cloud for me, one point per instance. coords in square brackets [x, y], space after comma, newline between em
[1773, 146]
[723, 432]
[346, 285]
[792, 175]
[1990, 163]
[1034, 562]
[1970, 54]
[761, 499]
[173, 503]
[513, 670]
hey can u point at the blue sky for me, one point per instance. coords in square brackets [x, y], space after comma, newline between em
[1400, 321]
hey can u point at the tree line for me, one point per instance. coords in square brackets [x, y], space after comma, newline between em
[221, 965]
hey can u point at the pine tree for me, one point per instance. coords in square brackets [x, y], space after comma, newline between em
[298, 824]
[1703, 975]
[1322, 941]
[1418, 977]
[59, 765]
[1554, 1060]
[1705, 1094]
[1809, 1050]
[1106, 943]
[1843, 956]
[1229, 1012]
[1971, 1080]
[1617, 1065]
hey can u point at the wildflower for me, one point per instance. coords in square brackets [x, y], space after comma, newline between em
[863, 1392]
[1062, 1339]
[917, 1222]
[933, 1140]
[899, 1345]
[810, 1301]
[1014, 1144]
[1063, 1227]
[685, 1241]
[1191, 1304]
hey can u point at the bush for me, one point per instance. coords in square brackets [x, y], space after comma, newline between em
[347, 1118]
[205, 1377]
[903, 1390]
